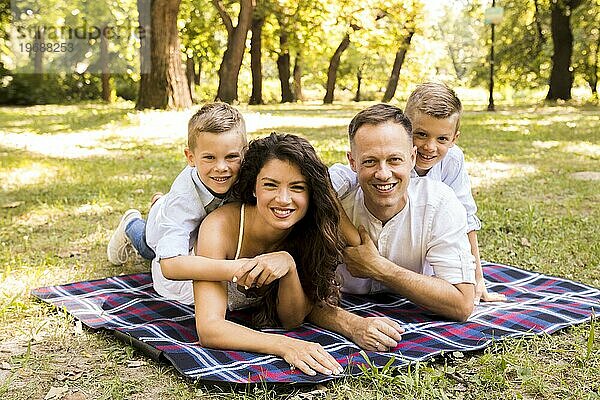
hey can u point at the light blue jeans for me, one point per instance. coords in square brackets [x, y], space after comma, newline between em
[136, 232]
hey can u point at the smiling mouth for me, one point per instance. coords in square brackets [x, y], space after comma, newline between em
[384, 188]
[220, 179]
[282, 212]
[426, 157]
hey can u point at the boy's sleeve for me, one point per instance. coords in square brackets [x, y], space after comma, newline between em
[448, 249]
[343, 179]
[176, 225]
[455, 175]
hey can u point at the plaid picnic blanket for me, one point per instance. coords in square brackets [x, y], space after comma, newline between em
[129, 306]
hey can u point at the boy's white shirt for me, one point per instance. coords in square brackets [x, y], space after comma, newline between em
[451, 170]
[172, 229]
[427, 236]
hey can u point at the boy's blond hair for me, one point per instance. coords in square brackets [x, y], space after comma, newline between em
[434, 99]
[215, 118]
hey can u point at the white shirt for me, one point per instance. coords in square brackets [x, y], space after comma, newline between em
[172, 229]
[452, 171]
[428, 236]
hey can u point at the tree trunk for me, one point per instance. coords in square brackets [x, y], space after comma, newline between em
[358, 83]
[298, 78]
[164, 86]
[283, 68]
[255, 59]
[234, 53]
[199, 73]
[190, 73]
[38, 55]
[105, 71]
[390, 90]
[334, 63]
[594, 75]
[561, 76]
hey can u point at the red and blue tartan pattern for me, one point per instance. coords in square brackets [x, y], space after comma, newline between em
[128, 304]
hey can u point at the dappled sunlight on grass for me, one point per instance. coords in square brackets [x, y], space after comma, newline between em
[34, 174]
[580, 148]
[488, 173]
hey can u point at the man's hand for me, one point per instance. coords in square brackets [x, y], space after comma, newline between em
[264, 269]
[377, 333]
[359, 259]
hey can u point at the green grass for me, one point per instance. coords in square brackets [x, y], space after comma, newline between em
[57, 212]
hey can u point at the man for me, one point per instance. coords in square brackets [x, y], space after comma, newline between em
[419, 227]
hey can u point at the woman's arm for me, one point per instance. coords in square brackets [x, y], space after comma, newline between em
[215, 331]
[292, 304]
[218, 241]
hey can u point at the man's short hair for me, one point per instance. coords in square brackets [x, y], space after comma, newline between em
[215, 118]
[379, 114]
[434, 99]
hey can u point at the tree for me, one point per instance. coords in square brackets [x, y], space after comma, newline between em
[163, 83]
[334, 63]
[561, 76]
[258, 21]
[234, 53]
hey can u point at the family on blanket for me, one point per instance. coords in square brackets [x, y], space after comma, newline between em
[267, 227]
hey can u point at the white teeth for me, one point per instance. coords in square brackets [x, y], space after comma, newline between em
[389, 186]
[282, 213]
[426, 157]
[220, 179]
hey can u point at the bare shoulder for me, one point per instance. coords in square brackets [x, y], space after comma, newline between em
[219, 231]
[227, 215]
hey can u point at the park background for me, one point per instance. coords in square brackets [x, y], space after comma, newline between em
[89, 132]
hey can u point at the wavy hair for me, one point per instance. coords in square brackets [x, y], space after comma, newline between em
[315, 242]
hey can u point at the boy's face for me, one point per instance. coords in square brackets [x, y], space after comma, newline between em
[433, 137]
[217, 157]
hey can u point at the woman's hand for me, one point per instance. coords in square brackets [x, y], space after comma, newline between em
[309, 357]
[263, 269]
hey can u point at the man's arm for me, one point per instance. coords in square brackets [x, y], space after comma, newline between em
[437, 295]
[374, 334]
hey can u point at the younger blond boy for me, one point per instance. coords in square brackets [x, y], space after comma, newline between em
[434, 111]
[216, 141]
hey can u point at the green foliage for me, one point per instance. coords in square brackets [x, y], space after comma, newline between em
[30, 89]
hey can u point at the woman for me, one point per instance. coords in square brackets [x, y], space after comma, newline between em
[288, 225]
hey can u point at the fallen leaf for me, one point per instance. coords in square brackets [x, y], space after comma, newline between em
[75, 396]
[457, 354]
[78, 328]
[56, 393]
[13, 204]
[68, 253]
[5, 365]
[70, 375]
[135, 363]
[138, 191]
[525, 242]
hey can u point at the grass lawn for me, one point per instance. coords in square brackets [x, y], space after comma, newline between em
[67, 173]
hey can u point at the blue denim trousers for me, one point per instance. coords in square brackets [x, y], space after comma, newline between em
[136, 232]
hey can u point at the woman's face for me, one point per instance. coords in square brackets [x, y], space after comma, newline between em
[282, 194]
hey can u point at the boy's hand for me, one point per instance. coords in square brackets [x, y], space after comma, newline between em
[264, 269]
[482, 294]
[358, 259]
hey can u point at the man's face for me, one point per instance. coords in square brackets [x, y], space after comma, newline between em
[383, 156]
[217, 157]
[432, 137]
